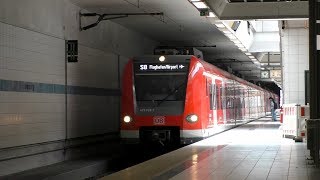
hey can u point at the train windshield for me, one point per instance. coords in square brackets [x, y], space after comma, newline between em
[160, 87]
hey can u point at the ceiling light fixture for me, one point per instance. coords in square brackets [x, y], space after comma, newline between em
[236, 41]
[251, 57]
[200, 5]
[226, 32]
[248, 54]
[243, 49]
[239, 45]
[220, 25]
[231, 36]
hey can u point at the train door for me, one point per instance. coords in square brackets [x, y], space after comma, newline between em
[211, 115]
[242, 102]
[237, 103]
[233, 108]
[229, 96]
[219, 110]
[223, 101]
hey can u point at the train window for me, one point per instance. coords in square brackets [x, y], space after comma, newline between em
[208, 87]
[223, 97]
[158, 87]
[228, 97]
[218, 96]
[212, 96]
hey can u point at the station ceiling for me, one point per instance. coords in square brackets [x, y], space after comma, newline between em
[182, 25]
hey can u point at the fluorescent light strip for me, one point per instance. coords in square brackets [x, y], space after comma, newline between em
[231, 36]
[248, 54]
[200, 5]
[236, 41]
[226, 32]
[220, 25]
[239, 45]
[251, 57]
[243, 49]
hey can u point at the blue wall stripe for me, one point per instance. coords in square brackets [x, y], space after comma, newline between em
[24, 86]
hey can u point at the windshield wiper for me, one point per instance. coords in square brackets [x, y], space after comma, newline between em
[171, 93]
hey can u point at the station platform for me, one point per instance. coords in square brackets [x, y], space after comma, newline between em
[253, 151]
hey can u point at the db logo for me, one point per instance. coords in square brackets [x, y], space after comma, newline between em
[159, 120]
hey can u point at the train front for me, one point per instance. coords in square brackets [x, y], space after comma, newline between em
[153, 99]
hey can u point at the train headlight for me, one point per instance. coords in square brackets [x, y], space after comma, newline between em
[192, 118]
[127, 119]
[162, 58]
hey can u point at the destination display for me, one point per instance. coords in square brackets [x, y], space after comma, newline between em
[163, 67]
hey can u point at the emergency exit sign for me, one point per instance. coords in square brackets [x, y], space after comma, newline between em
[204, 12]
[72, 50]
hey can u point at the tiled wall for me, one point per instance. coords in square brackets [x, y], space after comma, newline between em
[32, 100]
[295, 60]
[28, 117]
[32, 82]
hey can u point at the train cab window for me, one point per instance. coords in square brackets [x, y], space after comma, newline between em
[159, 87]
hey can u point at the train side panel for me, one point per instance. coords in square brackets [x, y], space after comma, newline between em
[196, 102]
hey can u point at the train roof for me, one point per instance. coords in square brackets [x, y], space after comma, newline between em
[226, 74]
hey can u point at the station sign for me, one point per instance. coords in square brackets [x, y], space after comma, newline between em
[163, 67]
[275, 73]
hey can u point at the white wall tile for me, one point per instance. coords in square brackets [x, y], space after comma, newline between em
[292, 58]
[295, 64]
[303, 49]
[30, 56]
[293, 49]
[293, 32]
[303, 40]
[303, 32]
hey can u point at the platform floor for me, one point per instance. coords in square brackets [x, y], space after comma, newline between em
[251, 152]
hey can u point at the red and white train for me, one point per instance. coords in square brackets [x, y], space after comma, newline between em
[182, 99]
